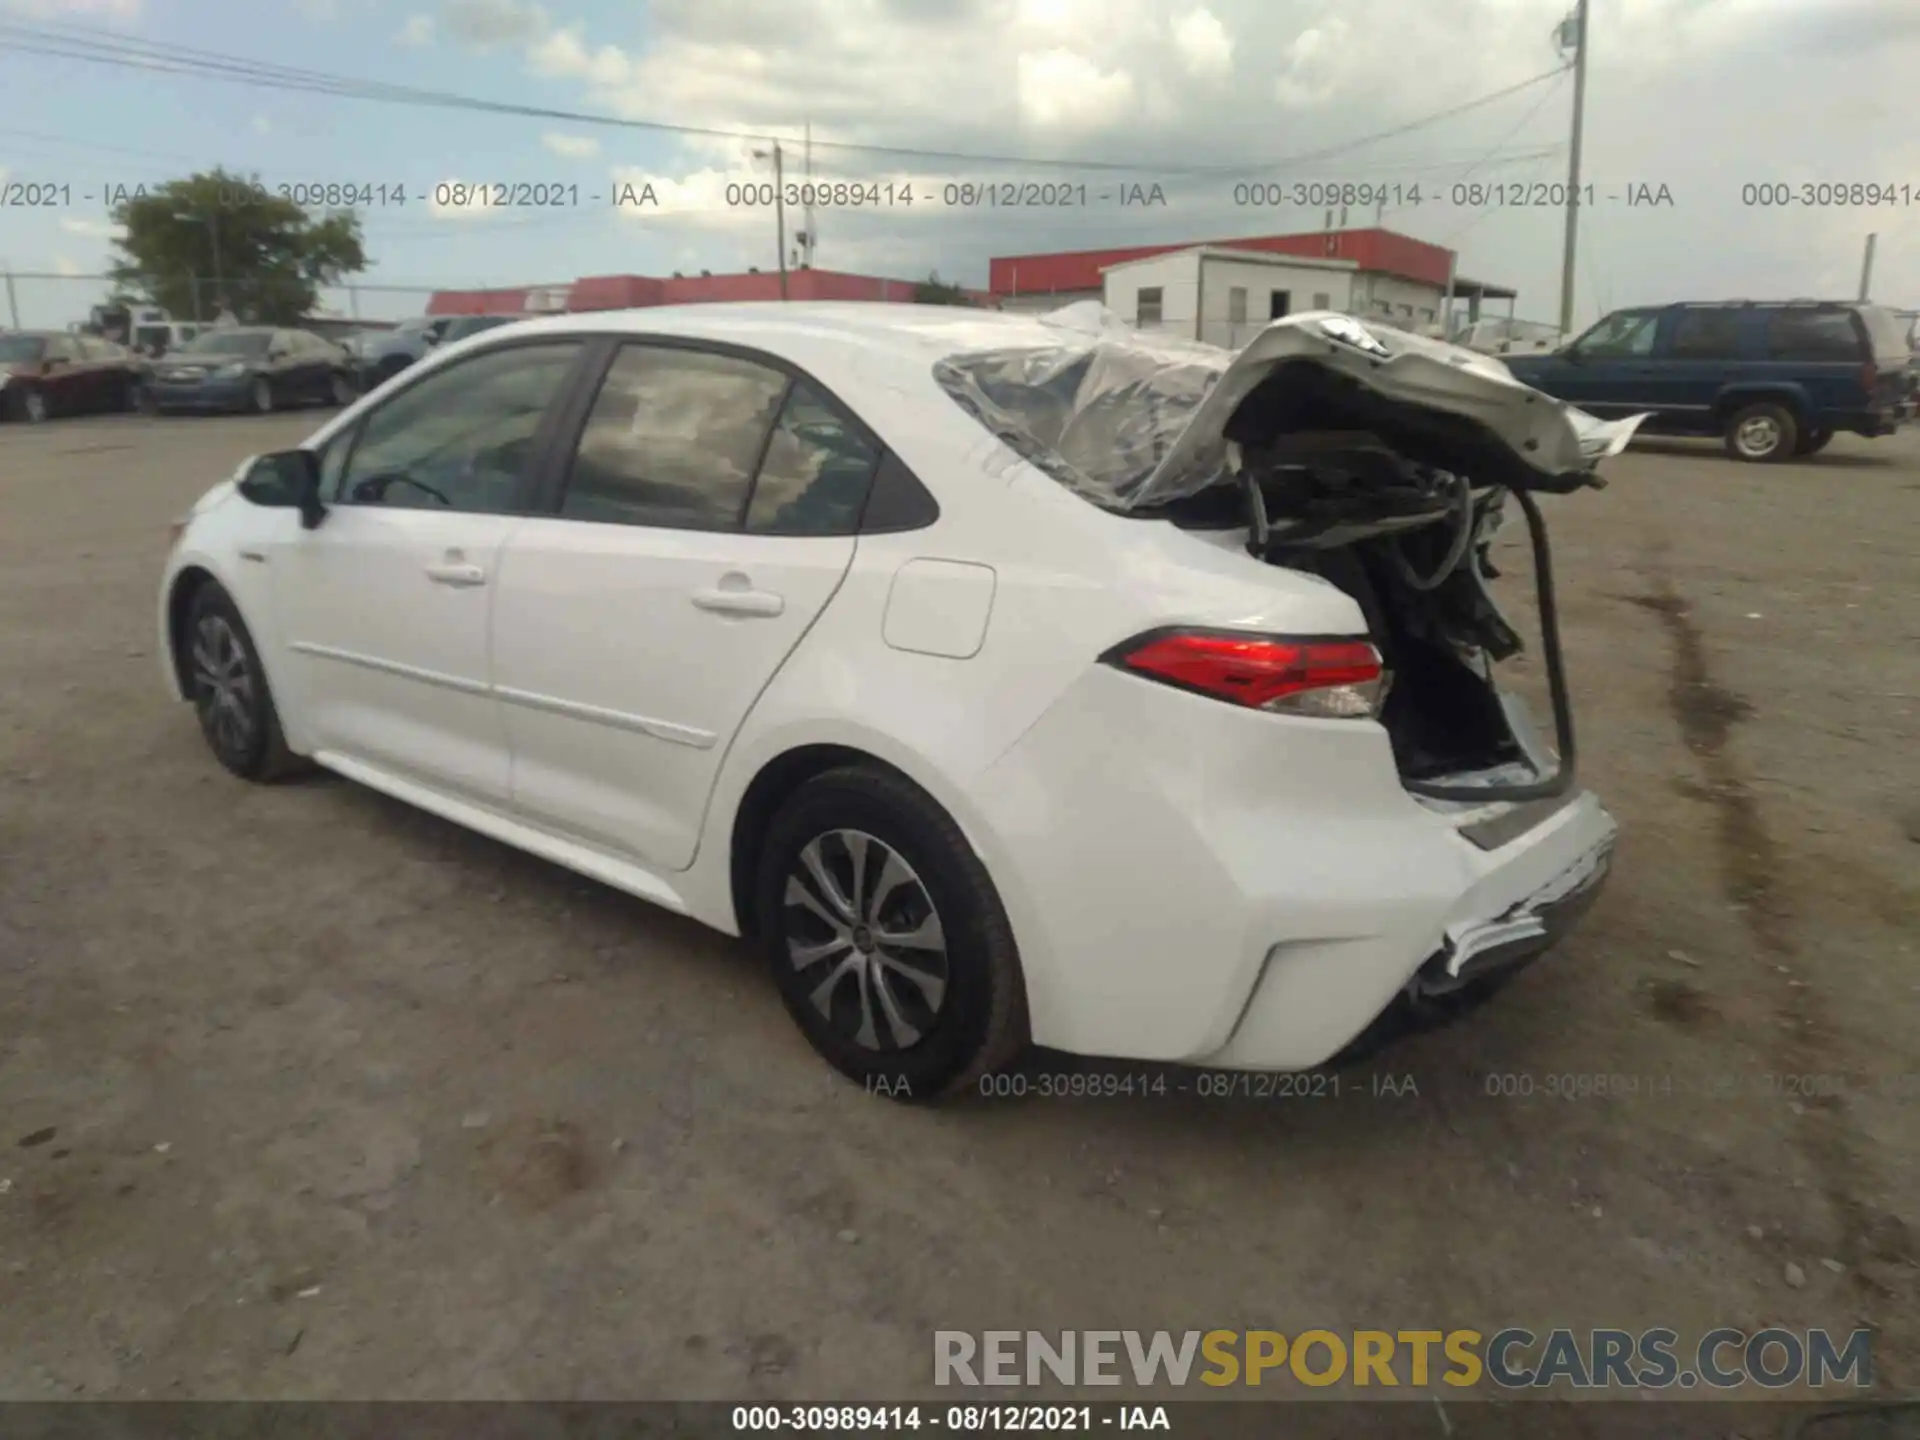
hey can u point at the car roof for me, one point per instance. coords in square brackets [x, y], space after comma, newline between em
[909, 333]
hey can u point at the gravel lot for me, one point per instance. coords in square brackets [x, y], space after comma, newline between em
[304, 1094]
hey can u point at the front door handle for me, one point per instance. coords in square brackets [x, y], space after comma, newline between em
[462, 576]
[729, 600]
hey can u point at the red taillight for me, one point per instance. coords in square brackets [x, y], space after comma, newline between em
[1331, 678]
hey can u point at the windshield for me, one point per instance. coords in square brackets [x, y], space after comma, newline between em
[1889, 336]
[229, 342]
[15, 349]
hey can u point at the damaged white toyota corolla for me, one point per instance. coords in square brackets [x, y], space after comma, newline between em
[1006, 679]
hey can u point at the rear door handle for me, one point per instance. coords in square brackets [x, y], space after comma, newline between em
[762, 603]
[462, 576]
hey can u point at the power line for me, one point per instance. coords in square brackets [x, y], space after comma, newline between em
[100, 47]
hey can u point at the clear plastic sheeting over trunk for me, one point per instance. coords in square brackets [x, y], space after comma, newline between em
[1133, 420]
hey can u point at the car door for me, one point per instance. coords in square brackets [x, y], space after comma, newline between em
[1610, 369]
[383, 608]
[704, 518]
[318, 359]
[68, 381]
[1695, 359]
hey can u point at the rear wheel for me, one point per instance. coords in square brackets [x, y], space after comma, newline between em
[1762, 433]
[1813, 442]
[886, 937]
[229, 691]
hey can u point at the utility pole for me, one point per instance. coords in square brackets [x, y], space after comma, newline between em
[779, 208]
[1579, 26]
[806, 196]
[1866, 271]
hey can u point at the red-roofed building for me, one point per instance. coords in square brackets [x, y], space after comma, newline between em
[625, 292]
[1379, 272]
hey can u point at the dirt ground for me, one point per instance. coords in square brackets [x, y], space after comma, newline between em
[304, 1094]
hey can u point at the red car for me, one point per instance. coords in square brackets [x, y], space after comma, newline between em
[44, 373]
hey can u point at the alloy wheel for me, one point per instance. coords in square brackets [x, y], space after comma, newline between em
[1757, 435]
[860, 923]
[223, 690]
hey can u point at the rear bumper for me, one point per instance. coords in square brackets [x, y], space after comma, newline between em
[1196, 883]
[226, 395]
[1878, 422]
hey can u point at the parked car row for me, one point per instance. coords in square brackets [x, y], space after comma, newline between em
[45, 374]
[1774, 379]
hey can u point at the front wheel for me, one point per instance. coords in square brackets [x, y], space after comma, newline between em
[262, 396]
[1813, 442]
[228, 687]
[887, 940]
[1764, 433]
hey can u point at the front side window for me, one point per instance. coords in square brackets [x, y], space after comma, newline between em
[673, 440]
[1629, 332]
[460, 439]
[816, 473]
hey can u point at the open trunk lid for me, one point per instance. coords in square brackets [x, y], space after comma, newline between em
[1379, 460]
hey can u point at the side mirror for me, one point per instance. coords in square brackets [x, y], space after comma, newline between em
[286, 480]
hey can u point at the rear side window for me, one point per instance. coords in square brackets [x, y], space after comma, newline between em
[817, 470]
[1812, 335]
[1890, 336]
[1706, 335]
[673, 440]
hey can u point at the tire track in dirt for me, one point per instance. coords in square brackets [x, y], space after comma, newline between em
[1753, 878]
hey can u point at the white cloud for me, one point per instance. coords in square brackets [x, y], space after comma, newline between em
[92, 9]
[1318, 62]
[563, 54]
[1063, 90]
[1168, 86]
[1203, 43]
[574, 147]
[96, 229]
[261, 125]
[417, 31]
[67, 265]
[484, 24]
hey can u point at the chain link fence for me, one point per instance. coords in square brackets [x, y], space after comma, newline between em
[44, 300]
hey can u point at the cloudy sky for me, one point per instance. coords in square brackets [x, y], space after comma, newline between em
[1703, 97]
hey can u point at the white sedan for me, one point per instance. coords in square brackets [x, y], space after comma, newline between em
[1006, 679]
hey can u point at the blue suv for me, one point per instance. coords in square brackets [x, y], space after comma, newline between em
[1776, 379]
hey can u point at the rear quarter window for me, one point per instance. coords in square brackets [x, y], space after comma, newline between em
[1812, 335]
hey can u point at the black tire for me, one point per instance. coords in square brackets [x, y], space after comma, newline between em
[389, 368]
[1813, 442]
[977, 1025]
[1762, 433]
[260, 396]
[253, 750]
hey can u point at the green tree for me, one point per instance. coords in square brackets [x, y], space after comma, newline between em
[935, 291]
[191, 244]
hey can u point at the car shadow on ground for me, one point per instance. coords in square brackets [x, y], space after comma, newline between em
[1707, 448]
